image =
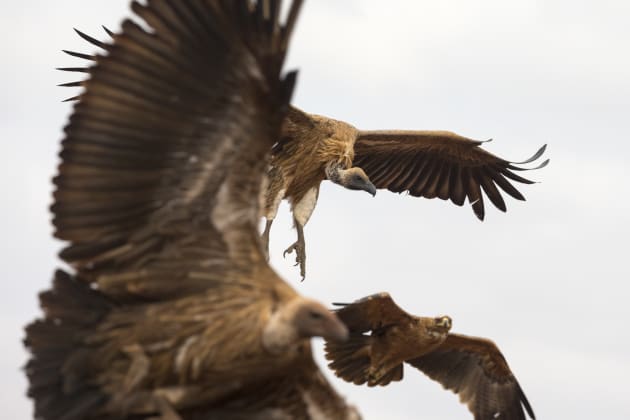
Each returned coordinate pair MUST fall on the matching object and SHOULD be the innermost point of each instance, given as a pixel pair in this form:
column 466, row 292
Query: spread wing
column 157, row 196
column 371, row 313
column 439, row 164
column 475, row 369
column 160, row 171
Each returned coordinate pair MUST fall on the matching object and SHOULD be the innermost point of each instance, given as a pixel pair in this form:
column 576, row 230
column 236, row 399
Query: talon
column 290, row 250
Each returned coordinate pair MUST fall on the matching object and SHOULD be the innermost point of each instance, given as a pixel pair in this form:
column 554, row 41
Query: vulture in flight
column 173, row 311
column 312, row 148
column 472, row 367
column 429, row 164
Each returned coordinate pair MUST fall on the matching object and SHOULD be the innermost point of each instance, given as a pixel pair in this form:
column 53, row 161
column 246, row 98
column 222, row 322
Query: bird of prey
column 429, row 164
column 173, row 310
column 472, row 367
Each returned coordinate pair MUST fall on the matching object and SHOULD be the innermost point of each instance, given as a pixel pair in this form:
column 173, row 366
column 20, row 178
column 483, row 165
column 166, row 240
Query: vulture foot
column 300, row 256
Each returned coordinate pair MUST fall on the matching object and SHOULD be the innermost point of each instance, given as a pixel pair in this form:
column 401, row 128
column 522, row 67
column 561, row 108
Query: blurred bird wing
column 371, row 313
column 298, row 394
column 475, row 369
column 162, row 160
column 438, row 164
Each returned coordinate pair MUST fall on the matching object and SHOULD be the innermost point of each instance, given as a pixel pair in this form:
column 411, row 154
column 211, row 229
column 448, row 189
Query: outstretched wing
column 475, row 369
column 438, row 164
column 165, row 150
column 371, row 313
column 157, row 195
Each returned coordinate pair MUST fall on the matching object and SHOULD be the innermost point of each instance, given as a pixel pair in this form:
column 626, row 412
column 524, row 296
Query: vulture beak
column 370, row 188
column 337, row 330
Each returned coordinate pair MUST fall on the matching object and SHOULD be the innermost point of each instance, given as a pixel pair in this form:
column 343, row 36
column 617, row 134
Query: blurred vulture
column 426, row 164
column 173, row 311
column 472, row 367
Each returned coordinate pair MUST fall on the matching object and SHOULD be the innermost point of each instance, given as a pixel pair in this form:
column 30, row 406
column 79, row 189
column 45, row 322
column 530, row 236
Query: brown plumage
column 173, row 310
column 472, row 367
column 426, row 164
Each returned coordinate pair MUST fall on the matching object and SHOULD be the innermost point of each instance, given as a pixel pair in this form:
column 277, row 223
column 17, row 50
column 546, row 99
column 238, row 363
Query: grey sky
column 547, row 280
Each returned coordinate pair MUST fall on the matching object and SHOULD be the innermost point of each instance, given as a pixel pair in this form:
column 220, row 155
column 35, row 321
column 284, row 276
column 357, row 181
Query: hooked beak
column 337, row 331
column 369, row 187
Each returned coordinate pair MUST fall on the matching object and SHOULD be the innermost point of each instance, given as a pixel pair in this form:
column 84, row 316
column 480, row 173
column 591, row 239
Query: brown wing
column 438, row 164
column 165, row 117
column 371, row 313
column 157, row 195
column 475, row 369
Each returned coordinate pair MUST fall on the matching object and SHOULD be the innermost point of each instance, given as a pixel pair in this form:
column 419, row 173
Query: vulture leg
column 302, row 211
column 300, row 249
column 273, row 190
column 265, row 237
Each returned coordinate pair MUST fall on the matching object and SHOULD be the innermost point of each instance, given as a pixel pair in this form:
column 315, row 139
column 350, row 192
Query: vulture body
column 472, row 367
column 428, row 164
column 173, row 310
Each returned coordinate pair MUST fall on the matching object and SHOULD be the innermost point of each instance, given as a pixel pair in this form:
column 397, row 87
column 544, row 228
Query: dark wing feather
column 438, row 164
column 161, row 140
column 475, row 369
column 371, row 313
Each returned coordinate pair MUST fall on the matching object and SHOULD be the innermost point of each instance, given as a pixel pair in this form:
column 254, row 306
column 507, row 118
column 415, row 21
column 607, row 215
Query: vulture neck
column 335, row 172
column 281, row 334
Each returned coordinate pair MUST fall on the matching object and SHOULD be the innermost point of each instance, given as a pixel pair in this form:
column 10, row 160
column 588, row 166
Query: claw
column 300, row 257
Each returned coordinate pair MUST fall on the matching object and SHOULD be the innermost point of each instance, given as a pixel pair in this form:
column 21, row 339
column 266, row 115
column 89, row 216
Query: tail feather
column 58, row 363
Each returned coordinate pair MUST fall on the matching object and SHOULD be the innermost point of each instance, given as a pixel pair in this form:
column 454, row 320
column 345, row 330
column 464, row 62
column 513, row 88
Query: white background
column 548, row 281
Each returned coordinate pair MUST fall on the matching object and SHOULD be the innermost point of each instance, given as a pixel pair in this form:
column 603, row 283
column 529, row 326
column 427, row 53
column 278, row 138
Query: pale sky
column 547, row 281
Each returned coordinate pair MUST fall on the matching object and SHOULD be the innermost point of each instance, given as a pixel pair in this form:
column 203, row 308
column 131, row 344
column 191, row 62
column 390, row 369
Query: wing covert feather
column 371, row 313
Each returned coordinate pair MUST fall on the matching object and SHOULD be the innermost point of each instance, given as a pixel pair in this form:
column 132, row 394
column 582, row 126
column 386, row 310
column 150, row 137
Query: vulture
column 172, row 310
column 472, row 367
column 314, row 148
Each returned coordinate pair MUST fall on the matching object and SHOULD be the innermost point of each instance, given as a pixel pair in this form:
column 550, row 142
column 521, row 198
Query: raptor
column 383, row 337
column 429, row 164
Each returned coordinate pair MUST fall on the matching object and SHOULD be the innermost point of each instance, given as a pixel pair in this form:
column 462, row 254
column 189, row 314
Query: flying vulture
column 429, row 164
column 173, row 310
column 472, row 367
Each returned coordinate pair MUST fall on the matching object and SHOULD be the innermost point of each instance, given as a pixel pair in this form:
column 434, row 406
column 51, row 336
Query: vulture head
column 299, row 319
column 356, row 179
column 353, row 178
column 440, row 326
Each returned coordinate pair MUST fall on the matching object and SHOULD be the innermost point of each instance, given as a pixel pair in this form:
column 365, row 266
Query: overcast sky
column 547, row 281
